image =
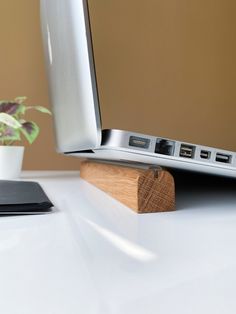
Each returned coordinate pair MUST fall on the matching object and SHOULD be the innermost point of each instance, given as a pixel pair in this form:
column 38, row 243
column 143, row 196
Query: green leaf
column 39, row 108
column 20, row 99
column 30, row 131
column 9, row 120
column 22, row 109
column 10, row 135
column 3, row 101
column 12, row 108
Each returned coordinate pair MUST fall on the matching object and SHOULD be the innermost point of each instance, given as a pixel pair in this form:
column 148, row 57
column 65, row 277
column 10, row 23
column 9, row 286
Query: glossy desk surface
column 94, row 255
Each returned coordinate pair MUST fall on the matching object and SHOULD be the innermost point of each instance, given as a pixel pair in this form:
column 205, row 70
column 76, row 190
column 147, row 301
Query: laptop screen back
column 71, row 74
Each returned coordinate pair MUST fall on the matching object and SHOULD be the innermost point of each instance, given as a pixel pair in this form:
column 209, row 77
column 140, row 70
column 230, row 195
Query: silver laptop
column 74, row 96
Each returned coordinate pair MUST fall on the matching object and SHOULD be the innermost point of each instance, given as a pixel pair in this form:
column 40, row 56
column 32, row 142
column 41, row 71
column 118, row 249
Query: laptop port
column 205, row 154
column 223, row 158
column 165, row 147
column 187, row 151
column 140, row 142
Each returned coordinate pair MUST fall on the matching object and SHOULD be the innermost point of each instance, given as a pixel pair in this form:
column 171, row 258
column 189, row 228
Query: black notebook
column 23, row 197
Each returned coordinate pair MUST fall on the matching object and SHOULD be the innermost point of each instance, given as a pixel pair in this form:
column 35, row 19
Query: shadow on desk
column 194, row 190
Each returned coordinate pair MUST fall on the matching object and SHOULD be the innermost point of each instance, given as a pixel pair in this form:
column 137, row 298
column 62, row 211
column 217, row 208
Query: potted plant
column 12, row 127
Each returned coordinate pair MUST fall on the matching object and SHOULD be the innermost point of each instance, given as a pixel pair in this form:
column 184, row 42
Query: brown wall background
column 164, row 68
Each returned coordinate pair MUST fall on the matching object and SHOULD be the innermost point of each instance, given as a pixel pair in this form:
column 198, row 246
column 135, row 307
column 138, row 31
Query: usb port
column 139, row 142
column 205, row 154
column 187, row 151
column 223, row 158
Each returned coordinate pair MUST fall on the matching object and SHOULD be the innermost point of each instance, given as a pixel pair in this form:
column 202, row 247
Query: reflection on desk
column 94, row 255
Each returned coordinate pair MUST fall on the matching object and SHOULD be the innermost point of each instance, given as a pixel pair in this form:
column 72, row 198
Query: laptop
column 75, row 103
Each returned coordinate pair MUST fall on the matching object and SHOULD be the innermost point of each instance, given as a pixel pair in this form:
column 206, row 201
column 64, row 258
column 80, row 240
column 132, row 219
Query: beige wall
column 164, row 67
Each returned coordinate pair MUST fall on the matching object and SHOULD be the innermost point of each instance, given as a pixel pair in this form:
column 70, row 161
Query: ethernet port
column 165, row 147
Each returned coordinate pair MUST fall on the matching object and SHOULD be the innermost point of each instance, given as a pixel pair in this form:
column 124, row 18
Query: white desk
column 93, row 255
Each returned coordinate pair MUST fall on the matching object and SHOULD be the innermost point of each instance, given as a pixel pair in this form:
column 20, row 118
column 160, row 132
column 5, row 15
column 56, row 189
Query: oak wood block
column 143, row 190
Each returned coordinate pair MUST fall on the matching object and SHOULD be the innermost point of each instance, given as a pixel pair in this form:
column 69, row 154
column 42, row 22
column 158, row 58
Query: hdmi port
column 223, row 158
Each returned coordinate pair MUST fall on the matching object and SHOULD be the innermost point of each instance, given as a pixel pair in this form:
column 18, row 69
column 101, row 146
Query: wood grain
column 144, row 191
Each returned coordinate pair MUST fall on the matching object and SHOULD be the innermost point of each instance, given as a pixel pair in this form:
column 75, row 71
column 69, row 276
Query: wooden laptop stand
column 143, row 190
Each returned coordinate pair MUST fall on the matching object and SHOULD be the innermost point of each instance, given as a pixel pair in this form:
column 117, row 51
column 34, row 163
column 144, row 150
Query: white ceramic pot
column 11, row 158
